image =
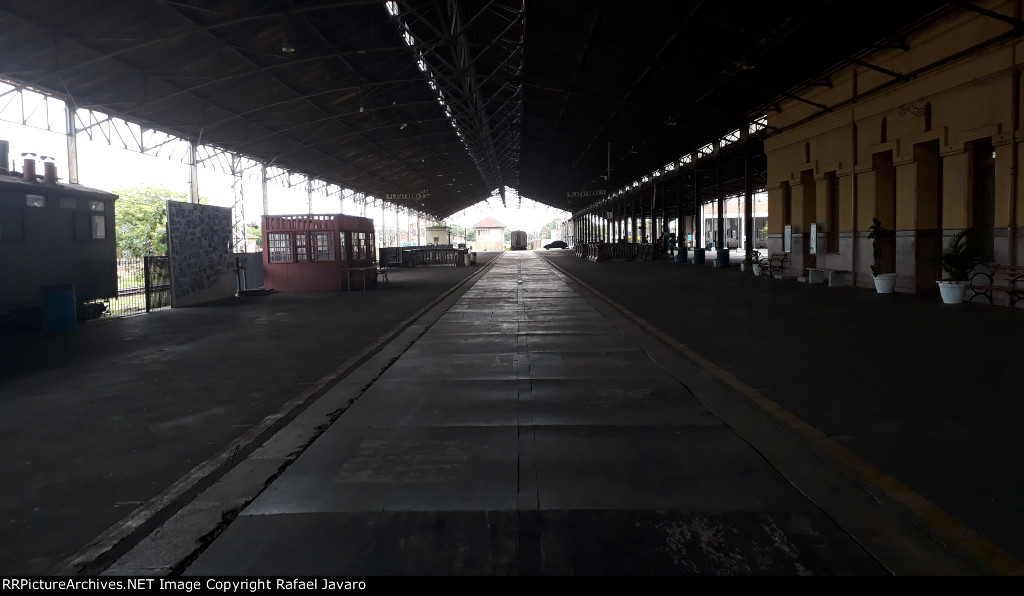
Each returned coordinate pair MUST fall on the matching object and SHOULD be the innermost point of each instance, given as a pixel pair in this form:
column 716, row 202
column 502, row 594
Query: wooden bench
column 834, row 277
column 774, row 264
column 1004, row 278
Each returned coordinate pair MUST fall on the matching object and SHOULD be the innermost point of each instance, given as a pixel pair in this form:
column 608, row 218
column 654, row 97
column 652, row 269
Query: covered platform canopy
column 437, row 105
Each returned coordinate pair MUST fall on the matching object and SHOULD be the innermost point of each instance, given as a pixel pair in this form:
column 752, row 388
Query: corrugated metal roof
column 545, row 97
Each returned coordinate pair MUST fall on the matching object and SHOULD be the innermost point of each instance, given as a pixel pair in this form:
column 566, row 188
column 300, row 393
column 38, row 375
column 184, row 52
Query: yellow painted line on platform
column 942, row 523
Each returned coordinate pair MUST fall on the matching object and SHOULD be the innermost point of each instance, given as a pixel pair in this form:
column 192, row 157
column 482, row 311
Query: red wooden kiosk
column 318, row 253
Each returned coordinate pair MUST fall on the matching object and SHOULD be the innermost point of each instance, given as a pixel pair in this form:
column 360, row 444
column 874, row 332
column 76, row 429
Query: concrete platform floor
column 535, row 429
column 920, row 398
column 556, row 417
column 110, row 428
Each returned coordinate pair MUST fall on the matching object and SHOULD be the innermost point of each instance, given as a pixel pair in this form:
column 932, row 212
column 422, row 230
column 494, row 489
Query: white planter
column 757, row 270
column 885, row 283
column 952, row 292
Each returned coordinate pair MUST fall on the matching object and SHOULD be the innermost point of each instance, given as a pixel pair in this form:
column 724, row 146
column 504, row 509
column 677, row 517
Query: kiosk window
column 279, row 247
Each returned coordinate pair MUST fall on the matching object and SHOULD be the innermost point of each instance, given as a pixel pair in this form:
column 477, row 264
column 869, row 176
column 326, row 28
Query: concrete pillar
column 720, row 197
column 697, row 223
column 748, row 232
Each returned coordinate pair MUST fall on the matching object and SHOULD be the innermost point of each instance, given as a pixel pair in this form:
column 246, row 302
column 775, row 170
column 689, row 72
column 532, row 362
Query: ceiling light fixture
column 286, row 47
column 360, row 109
column 402, row 127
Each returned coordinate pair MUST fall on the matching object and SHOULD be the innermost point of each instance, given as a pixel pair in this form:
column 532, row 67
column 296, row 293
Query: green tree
column 548, row 228
column 141, row 219
column 468, row 233
column 254, row 229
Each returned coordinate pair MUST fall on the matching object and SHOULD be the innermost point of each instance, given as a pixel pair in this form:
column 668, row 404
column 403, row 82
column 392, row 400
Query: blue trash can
column 59, row 310
column 698, row 256
column 723, row 258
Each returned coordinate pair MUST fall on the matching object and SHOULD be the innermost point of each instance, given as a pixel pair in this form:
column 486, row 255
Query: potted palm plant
column 752, row 261
column 885, row 283
column 958, row 262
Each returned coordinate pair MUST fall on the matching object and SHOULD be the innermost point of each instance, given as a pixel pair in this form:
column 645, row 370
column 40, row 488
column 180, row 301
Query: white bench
column 834, row 277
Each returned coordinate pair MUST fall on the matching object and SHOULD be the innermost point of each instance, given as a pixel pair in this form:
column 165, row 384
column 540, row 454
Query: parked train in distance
column 519, row 240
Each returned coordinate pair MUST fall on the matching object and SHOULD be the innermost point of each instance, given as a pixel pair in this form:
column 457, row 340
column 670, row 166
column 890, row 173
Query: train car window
column 99, row 227
column 12, row 224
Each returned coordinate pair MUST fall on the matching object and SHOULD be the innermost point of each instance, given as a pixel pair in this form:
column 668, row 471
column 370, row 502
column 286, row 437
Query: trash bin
column 467, row 260
column 59, row 310
column 681, row 256
column 698, row 256
column 723, row 258
column 472, row 258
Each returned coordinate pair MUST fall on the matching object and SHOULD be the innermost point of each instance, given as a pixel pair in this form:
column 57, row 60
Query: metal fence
column 143, row 285
column 157, row 282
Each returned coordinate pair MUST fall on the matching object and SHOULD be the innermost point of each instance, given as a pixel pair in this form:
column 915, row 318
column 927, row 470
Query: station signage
column 586, row 193
column 414, row 196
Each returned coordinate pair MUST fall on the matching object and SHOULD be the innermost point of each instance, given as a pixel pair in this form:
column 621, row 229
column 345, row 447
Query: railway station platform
column 538, row 414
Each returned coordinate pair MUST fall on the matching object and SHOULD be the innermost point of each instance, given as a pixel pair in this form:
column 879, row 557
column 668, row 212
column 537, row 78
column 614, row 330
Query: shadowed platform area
column 536, row 415
column 532, row 430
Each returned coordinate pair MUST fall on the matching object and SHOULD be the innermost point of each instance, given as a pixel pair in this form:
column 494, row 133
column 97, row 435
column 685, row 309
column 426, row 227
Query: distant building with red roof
column 490, row 235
